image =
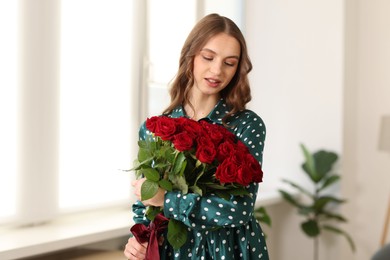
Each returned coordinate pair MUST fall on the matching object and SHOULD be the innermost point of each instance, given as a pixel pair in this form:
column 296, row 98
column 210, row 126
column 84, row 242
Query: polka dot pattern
column 217, row 228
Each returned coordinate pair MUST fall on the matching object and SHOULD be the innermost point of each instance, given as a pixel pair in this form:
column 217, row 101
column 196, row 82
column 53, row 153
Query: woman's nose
column 216, row 68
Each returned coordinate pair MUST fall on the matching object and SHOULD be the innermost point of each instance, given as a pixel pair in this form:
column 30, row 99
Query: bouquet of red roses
column 191, row 156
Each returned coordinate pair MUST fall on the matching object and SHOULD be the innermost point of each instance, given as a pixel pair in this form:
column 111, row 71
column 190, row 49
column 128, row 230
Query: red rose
column 183, row 141
column 205, row 151
column 151, row 123
column 242, row 147
column 224, row 150
column 214, row 131
column 244, row 175
column 165, row 128
column 255, row 168
column 192, row 129
column 237, row 157
column 226, row 172
column 227, row 135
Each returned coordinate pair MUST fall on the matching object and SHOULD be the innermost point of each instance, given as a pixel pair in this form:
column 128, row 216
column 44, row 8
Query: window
column 95, row 98
column 78, row 77
column 73, row 114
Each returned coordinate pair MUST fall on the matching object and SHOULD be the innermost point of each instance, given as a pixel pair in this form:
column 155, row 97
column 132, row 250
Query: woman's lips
column 213, row 82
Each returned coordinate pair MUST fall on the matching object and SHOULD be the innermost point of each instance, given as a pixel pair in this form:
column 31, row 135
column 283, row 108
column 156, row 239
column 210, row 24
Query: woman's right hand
column 135, row 250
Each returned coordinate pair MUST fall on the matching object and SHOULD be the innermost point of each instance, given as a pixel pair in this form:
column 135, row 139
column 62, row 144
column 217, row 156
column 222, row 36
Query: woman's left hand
column 157, row 200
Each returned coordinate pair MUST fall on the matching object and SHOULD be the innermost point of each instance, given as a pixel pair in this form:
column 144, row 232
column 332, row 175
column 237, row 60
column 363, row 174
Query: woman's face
column 216, row 64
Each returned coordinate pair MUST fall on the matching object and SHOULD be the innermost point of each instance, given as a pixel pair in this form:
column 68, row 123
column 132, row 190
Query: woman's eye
column 207, row 58
column 230, row 64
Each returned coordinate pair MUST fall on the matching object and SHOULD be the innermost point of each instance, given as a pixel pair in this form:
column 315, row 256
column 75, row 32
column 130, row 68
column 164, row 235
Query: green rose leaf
column 179, row 183
column 239, row 192
column 148, row 189
column 197, row 190
column 177, row 233
column 223, row 194
column 152, row 212
column 143, row 155
column 151, row 174
column 178, row 164
column 143, row 144
column 165, row 184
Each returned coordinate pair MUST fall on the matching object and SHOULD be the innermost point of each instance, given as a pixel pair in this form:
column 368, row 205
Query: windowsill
column 80, row 229
column 63, row 233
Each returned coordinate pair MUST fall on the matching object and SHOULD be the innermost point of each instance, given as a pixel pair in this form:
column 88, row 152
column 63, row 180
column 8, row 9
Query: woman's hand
column 135, row 250
column 157, row 200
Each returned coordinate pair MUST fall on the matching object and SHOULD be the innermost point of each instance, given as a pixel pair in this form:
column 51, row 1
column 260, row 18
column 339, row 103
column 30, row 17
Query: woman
column 211, row 85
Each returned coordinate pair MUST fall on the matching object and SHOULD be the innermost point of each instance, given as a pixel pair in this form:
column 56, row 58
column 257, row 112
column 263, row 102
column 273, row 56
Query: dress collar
column 215, row 116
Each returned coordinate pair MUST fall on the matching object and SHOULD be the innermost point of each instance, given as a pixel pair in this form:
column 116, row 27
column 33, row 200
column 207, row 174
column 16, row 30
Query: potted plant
column 319, row 212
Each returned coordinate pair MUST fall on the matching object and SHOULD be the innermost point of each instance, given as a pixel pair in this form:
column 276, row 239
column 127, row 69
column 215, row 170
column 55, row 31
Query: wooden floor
column 81, row 254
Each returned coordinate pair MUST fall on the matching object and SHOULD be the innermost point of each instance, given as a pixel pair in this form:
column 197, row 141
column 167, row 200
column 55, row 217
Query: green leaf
column 178, row 164
column 222, row 194
column 179, row 183
column 289, row 198
column 161, row 165
column 169, row 154
column 330, row 215
column 143, row 155
column 183, row 167
column 321, row 202
column 197, row 190
column 238, row 191
column 199, row 175
column 215, row 186
column 303, row 190
column 148, row 189
column 177, row 233
column 324, row 161
column 310, row 228
column 198, row 163
column 165, row 184
column 262, row 216
column 152, row 212
column 309, row 165
column 143, row 144
column 151, row 174
column 329, row 181
column 341, row 232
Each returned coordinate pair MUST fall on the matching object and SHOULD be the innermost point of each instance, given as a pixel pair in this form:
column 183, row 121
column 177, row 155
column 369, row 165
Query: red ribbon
column 151, row 234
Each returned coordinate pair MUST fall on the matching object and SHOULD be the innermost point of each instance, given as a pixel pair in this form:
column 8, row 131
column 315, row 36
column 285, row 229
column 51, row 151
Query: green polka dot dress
column 217, row 228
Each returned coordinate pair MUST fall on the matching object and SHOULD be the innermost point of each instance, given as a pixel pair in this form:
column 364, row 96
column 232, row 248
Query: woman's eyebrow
column 228, row 57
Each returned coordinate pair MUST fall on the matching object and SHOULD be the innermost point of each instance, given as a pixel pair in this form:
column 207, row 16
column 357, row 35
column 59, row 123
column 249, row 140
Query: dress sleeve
column 211, row 211
column 251, row 132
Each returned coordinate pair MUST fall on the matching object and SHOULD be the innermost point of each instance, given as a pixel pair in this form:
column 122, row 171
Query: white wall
column 367, row 96
column 297, row 82
column 321, row 77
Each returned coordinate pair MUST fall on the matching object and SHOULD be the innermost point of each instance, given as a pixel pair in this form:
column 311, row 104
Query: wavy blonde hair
column 237, row 93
